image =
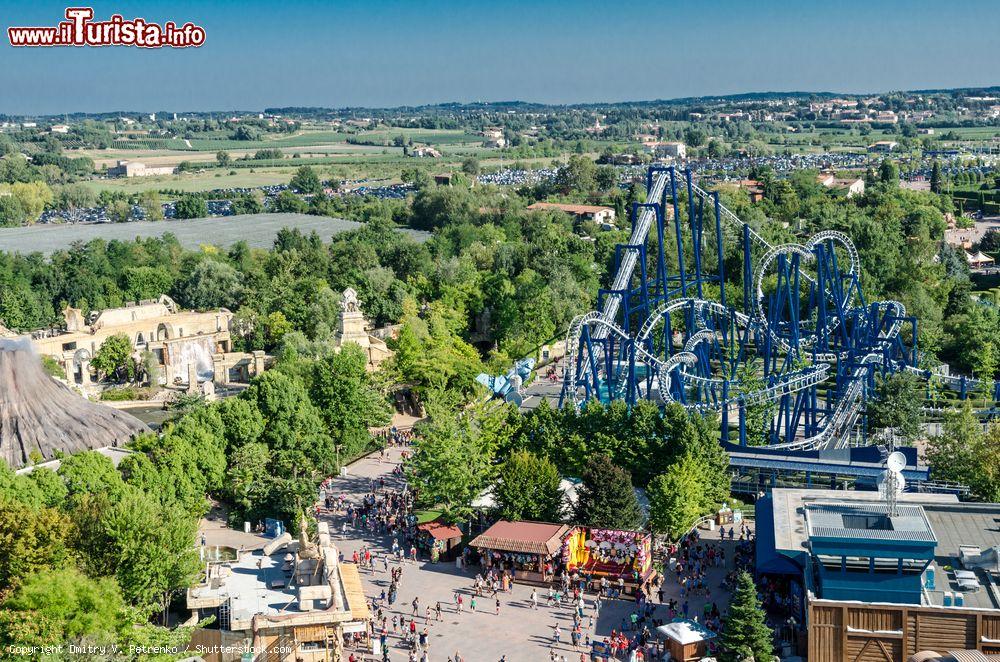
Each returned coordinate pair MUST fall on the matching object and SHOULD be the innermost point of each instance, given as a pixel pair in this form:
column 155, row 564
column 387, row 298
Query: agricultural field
column 258, row 230
column 195, row 181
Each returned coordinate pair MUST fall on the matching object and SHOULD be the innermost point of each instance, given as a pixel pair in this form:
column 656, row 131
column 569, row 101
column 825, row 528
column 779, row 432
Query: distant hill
column 453, row 107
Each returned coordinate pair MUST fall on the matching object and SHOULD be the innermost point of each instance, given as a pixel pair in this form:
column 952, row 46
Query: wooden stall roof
column 522, row 537
column 440, row 531
column 356, row 601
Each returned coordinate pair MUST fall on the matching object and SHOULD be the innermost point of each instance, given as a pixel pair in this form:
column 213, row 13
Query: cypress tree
column 744, row 629
column 605, row 498
column 936, row 177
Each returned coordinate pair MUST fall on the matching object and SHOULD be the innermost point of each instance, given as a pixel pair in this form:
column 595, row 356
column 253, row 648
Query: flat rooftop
column 868, row 521
column 791, row 534
column 252, row 590
column 954, row 525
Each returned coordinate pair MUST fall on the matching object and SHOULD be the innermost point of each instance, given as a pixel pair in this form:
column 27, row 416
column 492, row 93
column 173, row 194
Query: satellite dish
column 895, row 462
column 893, row 479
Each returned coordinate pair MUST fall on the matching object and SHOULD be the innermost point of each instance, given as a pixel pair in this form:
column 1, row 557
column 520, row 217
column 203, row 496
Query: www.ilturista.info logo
column 80, row 30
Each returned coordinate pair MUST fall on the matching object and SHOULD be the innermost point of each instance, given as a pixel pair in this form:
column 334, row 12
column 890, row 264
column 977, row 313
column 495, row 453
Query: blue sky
column 387, row 53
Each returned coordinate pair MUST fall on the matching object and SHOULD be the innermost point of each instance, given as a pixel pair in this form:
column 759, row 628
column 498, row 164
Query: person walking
column 416, row 605
column 437, row 610
column 556, row 633
column 498, row 605
column 534, row 598
column 472, row 603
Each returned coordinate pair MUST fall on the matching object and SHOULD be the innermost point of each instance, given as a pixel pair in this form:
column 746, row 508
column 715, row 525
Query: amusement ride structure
column 788, row 370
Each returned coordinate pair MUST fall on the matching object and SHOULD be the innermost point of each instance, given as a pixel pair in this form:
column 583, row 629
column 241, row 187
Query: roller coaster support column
column 695, row 220
column 743, row 423
column 720, row 251
column 661, row 286
column 747, row 272
column 725, row 412
column 677, row 231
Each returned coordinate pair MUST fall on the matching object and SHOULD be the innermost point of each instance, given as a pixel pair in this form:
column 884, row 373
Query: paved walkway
column 518, row 632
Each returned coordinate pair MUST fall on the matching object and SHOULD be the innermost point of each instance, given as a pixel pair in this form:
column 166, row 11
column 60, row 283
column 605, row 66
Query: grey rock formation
column 37, row 413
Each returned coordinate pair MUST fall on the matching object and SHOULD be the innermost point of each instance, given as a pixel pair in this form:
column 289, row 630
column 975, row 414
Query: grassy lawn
column 424, row 516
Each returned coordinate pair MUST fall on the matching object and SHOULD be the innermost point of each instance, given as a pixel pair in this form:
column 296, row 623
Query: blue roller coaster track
column 803, row 344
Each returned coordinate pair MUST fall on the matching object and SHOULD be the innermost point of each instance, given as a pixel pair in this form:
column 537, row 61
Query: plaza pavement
column 519, row 633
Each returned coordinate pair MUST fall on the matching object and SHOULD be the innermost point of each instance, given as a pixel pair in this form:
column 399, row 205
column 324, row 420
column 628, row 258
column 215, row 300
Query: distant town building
column 850, row 186
column 883, row 146
column 601, row 215
column 59, row 128
column 425, row 152
column 137, row 169
column 754, row 189
column 670, row 150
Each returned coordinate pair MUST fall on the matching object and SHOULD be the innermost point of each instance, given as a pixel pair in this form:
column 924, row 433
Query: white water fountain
column 193, row 351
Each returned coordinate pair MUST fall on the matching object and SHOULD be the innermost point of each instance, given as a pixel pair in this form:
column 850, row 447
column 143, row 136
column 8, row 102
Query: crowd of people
column 574, row 602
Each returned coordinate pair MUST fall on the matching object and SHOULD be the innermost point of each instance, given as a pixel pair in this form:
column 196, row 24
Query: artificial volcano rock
column 38, row 413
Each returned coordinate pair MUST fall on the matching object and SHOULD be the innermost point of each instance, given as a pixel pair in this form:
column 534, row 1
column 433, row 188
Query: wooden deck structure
column 858, row 632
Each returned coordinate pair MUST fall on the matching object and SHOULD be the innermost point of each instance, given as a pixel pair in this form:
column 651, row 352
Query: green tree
column 676, row 498
column 61, row 605
column 294, row 429
column 694, row 136
column 152, row 207
column 527, row 488
column 305, row 180
column 744, row 628
column 888, row 172
column 579, row 175
column 31, row 540
column 605, row 498
column 451, row 462
column 896, row 406
column 936, row 177
column 11, row 212
column 146, row 282
column 211, row 284
column 222, row 158
column 289, row 203
column 119, row 211
column 191, row 206
column 90, row 473
column 348, row 400
column 114, row 358
column 148, row 546
column 470, row 166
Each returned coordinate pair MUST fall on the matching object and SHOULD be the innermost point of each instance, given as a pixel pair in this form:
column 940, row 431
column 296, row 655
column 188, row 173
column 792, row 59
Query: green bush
column 119, row 393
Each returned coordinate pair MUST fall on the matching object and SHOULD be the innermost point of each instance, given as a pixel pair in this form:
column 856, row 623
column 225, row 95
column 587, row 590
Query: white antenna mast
column 892, row 481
